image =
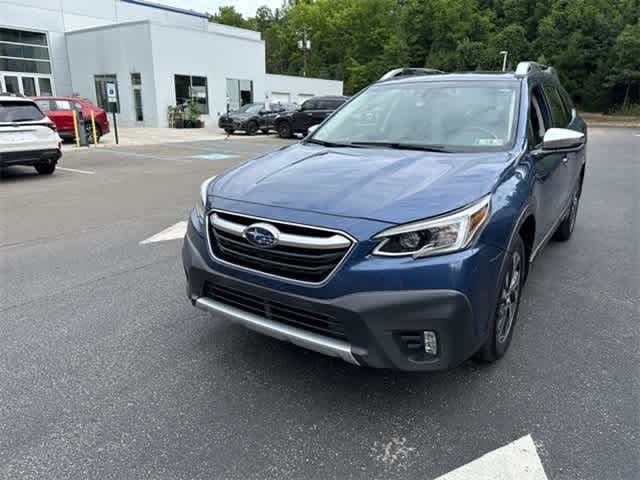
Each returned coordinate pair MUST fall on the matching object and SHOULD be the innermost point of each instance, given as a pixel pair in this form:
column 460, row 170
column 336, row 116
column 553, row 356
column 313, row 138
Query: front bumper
column 30, row 157
column 375, row 322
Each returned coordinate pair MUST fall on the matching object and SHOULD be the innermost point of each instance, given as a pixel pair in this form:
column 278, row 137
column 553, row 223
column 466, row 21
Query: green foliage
column 594, row 44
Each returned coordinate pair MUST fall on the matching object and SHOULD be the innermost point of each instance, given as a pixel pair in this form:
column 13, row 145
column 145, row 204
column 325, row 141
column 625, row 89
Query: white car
column 27, row 136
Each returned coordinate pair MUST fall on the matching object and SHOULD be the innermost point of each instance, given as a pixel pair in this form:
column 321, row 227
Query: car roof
column 453, row 77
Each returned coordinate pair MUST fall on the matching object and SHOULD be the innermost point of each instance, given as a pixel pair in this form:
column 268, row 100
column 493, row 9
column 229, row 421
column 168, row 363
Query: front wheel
column 507, row 304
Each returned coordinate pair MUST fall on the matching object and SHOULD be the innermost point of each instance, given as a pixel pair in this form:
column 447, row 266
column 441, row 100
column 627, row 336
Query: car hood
column 394, row 186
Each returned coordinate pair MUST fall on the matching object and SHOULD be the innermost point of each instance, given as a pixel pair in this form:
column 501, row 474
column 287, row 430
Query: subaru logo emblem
column 262, row 235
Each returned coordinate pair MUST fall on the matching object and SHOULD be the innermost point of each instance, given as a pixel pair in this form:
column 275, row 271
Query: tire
column 565, row 229
column 46, row 168
column 507, row 304
column 229, row 131
column 252, row 128
column 89, row 131
column 264, row 130
column 284, row 130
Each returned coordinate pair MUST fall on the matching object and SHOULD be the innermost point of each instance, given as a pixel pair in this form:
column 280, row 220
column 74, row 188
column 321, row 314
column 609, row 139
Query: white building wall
column 44, row 16
column 121, row 50
column 300, row 88
column 214, row 55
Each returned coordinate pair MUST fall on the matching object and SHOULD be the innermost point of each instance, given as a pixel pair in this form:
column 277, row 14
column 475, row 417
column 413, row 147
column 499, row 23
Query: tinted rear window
column 19, row 112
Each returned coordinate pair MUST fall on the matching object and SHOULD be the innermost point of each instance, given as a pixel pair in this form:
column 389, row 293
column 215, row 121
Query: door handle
column 310, row 114
column 565, row 160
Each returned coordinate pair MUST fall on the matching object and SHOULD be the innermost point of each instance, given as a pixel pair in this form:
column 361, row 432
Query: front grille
column 293, row 316
column 311, row 258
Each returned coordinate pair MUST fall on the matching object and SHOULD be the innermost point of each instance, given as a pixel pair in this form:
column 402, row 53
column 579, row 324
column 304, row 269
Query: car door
column 560, row 118
column 322, row 111
column 266, row 119
column 62, row 115
column 548, row 167
column 303, row 119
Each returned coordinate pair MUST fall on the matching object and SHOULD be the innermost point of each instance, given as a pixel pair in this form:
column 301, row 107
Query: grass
column 629, row 109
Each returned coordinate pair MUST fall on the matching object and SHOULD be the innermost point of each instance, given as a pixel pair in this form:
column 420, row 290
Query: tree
column 229, row 16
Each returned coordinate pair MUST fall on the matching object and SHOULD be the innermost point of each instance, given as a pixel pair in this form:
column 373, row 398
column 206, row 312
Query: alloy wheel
column 509, row 298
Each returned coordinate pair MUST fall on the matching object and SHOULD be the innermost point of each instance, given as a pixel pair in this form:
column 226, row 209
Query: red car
column 59, row 110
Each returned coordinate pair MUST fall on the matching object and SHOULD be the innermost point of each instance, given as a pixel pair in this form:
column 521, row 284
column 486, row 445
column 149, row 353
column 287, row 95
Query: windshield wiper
column 331, row 144
column 404, row 146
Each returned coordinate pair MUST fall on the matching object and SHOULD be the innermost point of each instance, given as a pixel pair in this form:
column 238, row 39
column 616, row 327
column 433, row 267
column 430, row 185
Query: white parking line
column 518, row 460
column 75, row 170
column 174, row 232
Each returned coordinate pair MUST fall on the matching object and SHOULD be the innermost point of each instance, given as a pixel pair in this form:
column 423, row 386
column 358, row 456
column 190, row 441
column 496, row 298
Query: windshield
column 251, row 108
column 465, row 116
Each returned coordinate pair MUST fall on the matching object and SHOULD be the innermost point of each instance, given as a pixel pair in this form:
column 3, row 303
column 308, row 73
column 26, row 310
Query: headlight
column 438, row 235
column 202, row 199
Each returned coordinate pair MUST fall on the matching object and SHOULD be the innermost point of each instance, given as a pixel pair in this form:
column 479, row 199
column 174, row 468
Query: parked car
column 251, row 118
column 401, row 231
column 312, row 112
column 27, row 136
column 59, row 109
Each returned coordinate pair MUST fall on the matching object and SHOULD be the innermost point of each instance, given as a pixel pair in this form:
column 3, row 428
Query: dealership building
column 156, row 55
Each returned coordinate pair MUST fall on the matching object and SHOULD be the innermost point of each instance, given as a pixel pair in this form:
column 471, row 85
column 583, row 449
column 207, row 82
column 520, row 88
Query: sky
column 246, row 7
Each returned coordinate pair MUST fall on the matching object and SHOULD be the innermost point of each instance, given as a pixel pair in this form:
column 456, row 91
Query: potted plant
column 193, row 113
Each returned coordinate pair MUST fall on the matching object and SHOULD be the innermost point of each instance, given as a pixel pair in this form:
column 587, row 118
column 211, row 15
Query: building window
column 101, row 92
column 188, row 86
column 136, row 85
column 23, row 51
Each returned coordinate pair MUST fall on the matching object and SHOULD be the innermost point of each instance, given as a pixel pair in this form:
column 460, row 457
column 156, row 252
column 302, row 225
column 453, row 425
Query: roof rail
column 408, row 72
column 525, row 68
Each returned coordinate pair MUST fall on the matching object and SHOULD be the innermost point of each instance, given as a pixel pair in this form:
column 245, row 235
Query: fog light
column 430, row 342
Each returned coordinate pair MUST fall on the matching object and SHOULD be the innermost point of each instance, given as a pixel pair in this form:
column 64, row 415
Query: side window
column 335, row 104
column 537, row 126
column 309, row 105
column 44, row 105
column 558, row 111
column 568, row 103
column 62, row 105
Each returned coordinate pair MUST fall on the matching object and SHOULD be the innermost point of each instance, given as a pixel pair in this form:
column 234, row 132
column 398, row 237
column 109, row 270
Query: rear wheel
column 46, row 168
column 507, row 304
column 284, row 130
column 565, row 229
column 252, row 128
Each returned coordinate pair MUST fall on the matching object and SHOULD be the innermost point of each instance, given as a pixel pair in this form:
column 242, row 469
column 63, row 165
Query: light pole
column 504, row 54
column 305, row 46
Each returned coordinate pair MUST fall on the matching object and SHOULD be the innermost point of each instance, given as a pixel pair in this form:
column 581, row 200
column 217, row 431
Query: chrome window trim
column 354, row 242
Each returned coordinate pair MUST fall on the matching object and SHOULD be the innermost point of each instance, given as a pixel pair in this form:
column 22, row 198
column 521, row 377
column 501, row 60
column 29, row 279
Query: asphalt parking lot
column 107, row 371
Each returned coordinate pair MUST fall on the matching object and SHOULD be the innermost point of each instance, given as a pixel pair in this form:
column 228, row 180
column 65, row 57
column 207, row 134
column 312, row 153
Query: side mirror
column 562, row 138
column 312, row 129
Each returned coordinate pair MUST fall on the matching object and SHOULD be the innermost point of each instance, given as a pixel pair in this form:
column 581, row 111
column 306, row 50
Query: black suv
column 311, row 112
column 252, row 117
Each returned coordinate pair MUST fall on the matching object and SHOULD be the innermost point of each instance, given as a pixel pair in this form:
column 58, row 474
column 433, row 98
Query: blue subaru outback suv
column 400, row 232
